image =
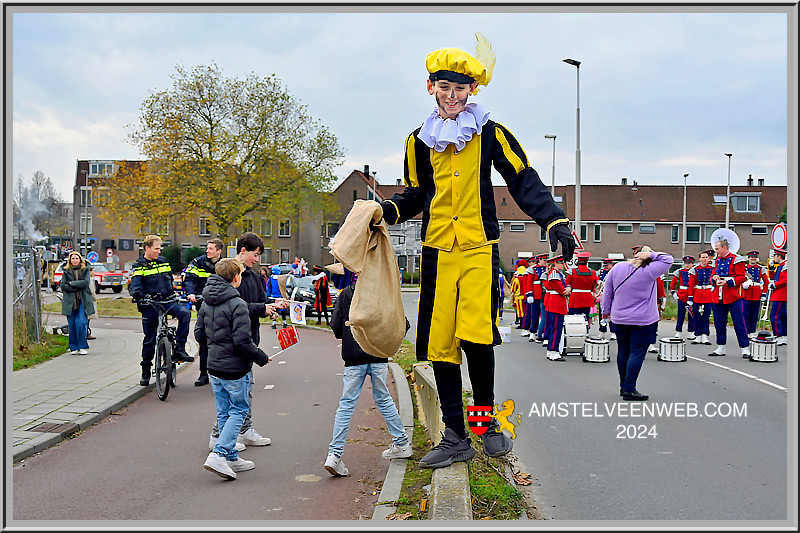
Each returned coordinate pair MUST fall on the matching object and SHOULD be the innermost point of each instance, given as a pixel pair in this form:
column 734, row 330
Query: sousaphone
column 728, row 235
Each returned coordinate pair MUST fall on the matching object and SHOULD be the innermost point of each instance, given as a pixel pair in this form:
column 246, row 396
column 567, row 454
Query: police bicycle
column 165, row 369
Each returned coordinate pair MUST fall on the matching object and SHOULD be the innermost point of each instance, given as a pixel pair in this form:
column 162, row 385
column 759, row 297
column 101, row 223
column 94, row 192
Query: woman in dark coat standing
column 77, row 303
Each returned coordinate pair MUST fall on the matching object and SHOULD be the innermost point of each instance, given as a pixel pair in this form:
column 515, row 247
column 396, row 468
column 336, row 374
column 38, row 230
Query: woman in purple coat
column 630, row 299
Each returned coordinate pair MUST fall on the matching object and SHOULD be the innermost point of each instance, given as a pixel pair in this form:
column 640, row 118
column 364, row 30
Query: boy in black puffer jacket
column 223, row 322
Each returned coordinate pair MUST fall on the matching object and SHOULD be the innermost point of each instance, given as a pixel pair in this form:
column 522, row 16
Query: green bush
column 191, row 253
column 172, row 253
column 411, row 277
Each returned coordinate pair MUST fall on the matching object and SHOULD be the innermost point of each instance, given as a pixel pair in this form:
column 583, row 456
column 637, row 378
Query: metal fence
column 27, row 310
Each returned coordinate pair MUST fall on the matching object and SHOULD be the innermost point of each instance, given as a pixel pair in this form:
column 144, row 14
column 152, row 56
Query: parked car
column 302, row 290
column 106, row 279
column 286, row 268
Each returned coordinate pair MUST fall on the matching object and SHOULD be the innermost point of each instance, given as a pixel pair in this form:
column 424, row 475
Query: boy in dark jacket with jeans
column 223, row 323
column 357, row 365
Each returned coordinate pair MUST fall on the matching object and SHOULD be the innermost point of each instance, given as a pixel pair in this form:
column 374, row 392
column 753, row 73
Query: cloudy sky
column 661, row 93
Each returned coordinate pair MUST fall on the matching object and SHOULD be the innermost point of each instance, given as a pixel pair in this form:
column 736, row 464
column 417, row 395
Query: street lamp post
column 728, row 195
column 683, row 248
column 553, row 183
column 577, row 65
column 85, row 198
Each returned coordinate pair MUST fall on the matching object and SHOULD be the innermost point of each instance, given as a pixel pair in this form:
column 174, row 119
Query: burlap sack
column 376, row 319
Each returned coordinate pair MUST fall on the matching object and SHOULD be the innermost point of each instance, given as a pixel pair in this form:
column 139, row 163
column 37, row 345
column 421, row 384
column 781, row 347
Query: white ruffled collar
column 437, row 132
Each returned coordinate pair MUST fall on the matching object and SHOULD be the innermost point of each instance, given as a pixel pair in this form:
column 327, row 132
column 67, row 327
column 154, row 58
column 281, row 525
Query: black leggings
column 480, row 365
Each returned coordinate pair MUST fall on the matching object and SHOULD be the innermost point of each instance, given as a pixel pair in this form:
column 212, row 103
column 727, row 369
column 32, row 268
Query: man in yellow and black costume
column 448, row 162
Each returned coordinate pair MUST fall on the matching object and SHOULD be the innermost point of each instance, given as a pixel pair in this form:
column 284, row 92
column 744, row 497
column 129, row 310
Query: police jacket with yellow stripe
column 197, row 273
column 151, row 278
column 454, row 189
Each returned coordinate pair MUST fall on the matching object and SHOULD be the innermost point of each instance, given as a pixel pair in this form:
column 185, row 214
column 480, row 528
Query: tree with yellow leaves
column 224, row 147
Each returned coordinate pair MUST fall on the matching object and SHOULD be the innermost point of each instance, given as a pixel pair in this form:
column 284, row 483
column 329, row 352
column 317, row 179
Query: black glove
column 561, row 233
column 374, row 225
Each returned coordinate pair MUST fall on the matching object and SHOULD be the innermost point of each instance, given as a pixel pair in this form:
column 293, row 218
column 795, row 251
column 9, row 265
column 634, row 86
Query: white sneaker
column 398, row 452
column 213, row 442
column 781, row 341
column 217, row 464
column 524, row 333
column 335, row 466
column 83, row 351
column 677, row 334
column 691, row 336
column 720, row 350
column 746, row 351
column 554, row 355
column 252, row 438
column 652, row 348
column 240, row 465
column 75, row 352
column 705, row 339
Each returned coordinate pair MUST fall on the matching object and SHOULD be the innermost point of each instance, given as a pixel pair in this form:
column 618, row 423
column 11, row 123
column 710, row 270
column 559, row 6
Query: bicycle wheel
column 173, row 376
column 163, row 368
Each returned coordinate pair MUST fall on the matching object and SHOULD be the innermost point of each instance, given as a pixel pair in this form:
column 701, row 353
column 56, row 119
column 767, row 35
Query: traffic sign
column 779, row 235
column 109, row 252
column 578, row 243
column 92, row 256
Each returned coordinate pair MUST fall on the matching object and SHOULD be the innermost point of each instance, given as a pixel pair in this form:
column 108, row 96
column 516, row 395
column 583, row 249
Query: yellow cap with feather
column 458, row 66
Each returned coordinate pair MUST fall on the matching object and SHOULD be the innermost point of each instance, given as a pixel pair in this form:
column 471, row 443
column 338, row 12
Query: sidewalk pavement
column 71, row 392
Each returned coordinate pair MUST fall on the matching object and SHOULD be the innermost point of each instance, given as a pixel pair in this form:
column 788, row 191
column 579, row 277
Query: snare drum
column 574, row 334
column 672, row 349
column 596, row 351
column 764, row 350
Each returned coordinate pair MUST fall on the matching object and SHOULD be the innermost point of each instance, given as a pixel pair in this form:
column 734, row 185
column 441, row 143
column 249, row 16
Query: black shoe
column 495, row 442
column 202, row 380
column 285, row 325
column 274, row 325
column 181, row 355
column 620, row 391
column 452, row 448
column 634, row 396
column 145, row 381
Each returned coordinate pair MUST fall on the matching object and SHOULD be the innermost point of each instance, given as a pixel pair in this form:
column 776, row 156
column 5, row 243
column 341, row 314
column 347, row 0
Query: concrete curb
column 390, row 491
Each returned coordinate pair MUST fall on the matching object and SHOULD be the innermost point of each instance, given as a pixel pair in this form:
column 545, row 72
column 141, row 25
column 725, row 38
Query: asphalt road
column 145, row 462
column 593, row 458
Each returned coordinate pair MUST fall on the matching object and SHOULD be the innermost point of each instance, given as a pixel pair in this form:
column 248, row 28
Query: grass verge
column 26, row 356
column 492, row 497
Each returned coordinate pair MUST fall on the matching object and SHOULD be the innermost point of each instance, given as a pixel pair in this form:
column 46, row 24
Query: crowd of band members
column 543, row 290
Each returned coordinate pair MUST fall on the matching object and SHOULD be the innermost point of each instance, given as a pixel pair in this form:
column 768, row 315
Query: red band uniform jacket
column 760, row 284
column 680, row 283
column 556, row 300
column 731, row 269
column 779, row 292
column 583, row 281
column 701, row 290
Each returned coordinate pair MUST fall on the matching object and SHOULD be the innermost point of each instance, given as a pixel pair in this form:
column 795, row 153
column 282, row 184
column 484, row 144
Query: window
column 516, row 226
column 398, row 239
column 647, row 228
column 86, row 224
column 331, row 229
column 247, row 225
column 598, row 232
column 265, row 229
column 501, row 226
column 162, row 227
column 720, row 199
column 86, row 197
column 266, row 256
column 284, row 255
column 369, row 194
column 542, row 234
column 418, row 232
column 355, row 195
column 708, row 230
column 584, row 232
column 204, row 227
column 676, row 234
column 758, row 230
column 285, row 229
column 746, row 203
column 503, row 202
column 558, row 199
column 624, row 228
column 100, row 169
column 693, row 234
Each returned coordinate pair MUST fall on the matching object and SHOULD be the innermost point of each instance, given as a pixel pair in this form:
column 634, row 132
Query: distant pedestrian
column 276, row 295
column 357, row 366
column 630, row 298
column 77, row 303
column 223, row 324
column 322, row 295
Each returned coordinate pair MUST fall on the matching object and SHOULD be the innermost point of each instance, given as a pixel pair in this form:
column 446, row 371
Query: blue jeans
column 248, row 419
column 78, row 325
column 231, row 396
column 632, row 343
column 353, row 379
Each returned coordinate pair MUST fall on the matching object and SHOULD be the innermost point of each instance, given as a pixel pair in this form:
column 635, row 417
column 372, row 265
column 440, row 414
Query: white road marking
column 281, row 362
column 745, row 374
column 268, row 387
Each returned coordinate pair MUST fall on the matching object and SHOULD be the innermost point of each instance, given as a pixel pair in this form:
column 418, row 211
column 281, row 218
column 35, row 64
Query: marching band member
column 728, row 276
column 526, row 288
column 601, row 276
column 754, row 291
column 701, row 297
column 537, row 324
column 555, row 306
column 680, row 292
column 661, row 303
column 516, row 290
column 777, row 314
column 583, row 281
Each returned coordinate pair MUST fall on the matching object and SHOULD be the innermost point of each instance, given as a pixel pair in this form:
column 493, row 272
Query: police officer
column 728, row 277
column 194, row 281
column 680, row 292
column 152, row 276
column 754, row 291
